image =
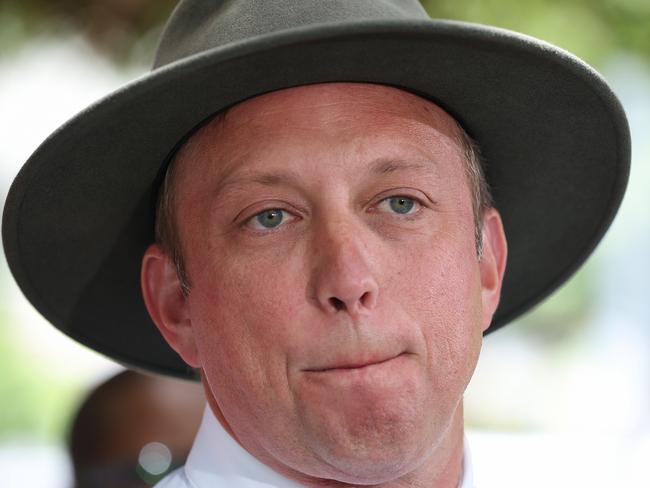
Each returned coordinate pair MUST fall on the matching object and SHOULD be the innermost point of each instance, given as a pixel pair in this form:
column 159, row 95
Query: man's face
column 336, row 295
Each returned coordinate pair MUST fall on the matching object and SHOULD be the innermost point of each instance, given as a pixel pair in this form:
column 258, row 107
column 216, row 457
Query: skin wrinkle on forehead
column 432, row 116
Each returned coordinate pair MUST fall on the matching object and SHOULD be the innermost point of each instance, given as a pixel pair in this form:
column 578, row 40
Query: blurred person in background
column 326, row 251
column 132, row 429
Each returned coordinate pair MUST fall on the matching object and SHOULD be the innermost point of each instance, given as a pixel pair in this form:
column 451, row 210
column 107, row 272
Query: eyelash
column 418, row 205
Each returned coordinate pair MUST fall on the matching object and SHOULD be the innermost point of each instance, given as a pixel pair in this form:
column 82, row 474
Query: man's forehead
column 349, row 107
column 339, row 99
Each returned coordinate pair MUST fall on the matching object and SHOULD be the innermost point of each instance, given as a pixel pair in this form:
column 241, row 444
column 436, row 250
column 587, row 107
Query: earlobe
column 492, row 264
column 166, row 303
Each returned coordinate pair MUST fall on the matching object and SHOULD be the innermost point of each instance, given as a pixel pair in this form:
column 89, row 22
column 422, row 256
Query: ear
column 166, row 303
column 492, row 264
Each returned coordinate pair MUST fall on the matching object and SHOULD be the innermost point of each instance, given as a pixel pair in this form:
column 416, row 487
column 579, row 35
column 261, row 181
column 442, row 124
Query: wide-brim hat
column 80, row 213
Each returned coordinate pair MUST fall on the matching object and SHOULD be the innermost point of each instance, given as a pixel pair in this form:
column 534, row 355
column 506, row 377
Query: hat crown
column 200, row 25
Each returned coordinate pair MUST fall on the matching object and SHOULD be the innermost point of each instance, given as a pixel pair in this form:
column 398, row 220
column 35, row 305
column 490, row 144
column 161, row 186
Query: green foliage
column 591, row 29
column 565, row 314
column 127, row 30
column 35, row 403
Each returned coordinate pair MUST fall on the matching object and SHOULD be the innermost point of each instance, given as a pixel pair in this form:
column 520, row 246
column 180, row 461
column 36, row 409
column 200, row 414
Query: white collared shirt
column 217, row 460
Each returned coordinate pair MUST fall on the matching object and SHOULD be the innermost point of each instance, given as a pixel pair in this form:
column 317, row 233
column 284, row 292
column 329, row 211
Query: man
column 326, row 253
column 324, row 282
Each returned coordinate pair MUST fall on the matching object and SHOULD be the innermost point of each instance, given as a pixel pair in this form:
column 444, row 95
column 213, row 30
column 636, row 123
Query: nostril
column 364, row 299
column 337, row 304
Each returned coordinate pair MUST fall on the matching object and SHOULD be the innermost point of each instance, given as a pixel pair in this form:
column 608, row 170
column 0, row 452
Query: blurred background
column 561, row 398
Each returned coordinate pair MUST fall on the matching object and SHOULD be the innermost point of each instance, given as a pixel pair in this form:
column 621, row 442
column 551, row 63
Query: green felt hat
column 81, row 211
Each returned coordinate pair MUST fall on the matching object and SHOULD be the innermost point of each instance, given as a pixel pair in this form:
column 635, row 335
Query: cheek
column 446, row 301
column 242, row 319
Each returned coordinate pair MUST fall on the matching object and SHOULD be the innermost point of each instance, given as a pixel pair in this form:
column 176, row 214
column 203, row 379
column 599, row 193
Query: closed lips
column 352, row 364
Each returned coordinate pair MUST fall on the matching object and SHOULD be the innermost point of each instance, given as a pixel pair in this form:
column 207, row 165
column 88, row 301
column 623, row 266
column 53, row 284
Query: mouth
column 352, row 364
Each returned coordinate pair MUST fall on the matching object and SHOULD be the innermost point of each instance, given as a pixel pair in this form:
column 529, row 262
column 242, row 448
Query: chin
column 385, row 464
column 375, row 447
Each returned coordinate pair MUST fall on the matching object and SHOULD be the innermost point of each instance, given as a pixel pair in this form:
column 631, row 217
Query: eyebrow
column 378, row 167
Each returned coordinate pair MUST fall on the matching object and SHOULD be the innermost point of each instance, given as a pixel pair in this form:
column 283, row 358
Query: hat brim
column 81, row 211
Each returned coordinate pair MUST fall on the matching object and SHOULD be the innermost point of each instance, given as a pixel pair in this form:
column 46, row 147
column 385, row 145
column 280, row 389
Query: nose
column 342, row 279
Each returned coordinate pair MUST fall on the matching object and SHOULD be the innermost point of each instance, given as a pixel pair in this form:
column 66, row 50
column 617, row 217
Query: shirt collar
column 216, row 459
column 467, row 476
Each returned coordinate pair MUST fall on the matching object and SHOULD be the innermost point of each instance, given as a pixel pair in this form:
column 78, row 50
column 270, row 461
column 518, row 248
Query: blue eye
column 270, row 218
column 401, row 204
